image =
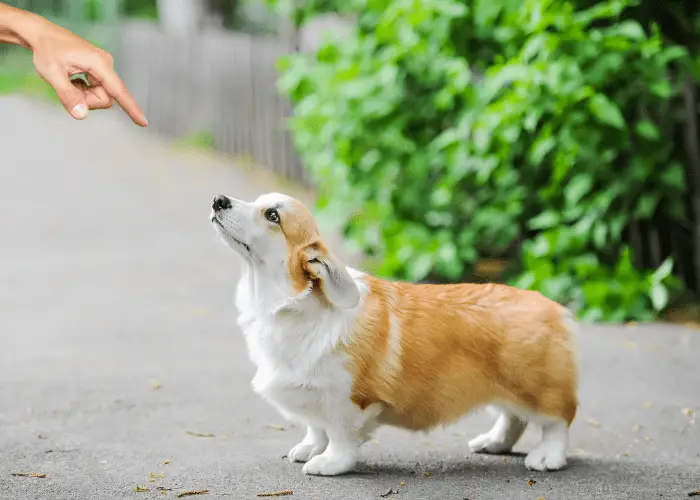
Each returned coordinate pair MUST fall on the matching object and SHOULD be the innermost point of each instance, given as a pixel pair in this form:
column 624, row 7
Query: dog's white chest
column 297, row 372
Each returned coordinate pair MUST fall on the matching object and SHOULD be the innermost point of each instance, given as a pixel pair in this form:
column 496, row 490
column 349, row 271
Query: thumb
column 72, row 98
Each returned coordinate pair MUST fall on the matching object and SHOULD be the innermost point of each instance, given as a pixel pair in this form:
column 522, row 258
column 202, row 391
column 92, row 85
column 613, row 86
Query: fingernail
column 80, row 111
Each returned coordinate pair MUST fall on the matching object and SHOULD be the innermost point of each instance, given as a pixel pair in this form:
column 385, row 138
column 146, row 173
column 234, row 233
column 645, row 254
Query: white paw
column 303, row 452
column 544, row 458
column 486, row 443
column 330, row 465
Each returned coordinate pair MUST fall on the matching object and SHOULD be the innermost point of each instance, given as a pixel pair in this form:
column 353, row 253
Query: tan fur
column 431, row 353
column 462, row 347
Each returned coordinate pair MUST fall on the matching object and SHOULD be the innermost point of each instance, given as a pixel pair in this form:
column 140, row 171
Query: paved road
column 111, row 279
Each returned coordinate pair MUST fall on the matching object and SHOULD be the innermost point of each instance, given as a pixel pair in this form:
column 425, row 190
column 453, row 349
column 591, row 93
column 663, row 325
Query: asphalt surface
column 118, row 343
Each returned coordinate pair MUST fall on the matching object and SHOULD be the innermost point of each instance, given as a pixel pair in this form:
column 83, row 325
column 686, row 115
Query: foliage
column 200, row 140
column 442, row 131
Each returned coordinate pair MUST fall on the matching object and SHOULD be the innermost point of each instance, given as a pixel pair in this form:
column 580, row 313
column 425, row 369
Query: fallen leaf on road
column 162, row 488
column 648, row 439
column 155, row 384
column 530, row 482
column 275, row 427
column 166, row 462
column 141, row 489
column 687, row 412
column 695, row 493
column 192, row 493
column 402, row 483
column 152, row 478
column 282, row 493
column 200, row 434
column 636, row 428
column 28, row 474
column 540, row 498
column 592, row 422
column 389, row 492
column 427, row 474
column 578, row 452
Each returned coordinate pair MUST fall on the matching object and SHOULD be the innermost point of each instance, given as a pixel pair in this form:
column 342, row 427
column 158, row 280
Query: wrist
column 20, row 27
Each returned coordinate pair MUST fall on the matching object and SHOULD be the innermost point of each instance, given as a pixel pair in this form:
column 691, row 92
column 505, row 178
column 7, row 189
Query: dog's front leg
column 314, row 443
column 341, row 454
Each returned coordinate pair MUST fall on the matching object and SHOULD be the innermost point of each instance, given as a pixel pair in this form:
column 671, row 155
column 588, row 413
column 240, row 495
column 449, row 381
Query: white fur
column 294, row 342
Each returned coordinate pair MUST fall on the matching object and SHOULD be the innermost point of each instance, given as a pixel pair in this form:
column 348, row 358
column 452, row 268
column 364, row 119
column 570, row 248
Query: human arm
column 60, row 54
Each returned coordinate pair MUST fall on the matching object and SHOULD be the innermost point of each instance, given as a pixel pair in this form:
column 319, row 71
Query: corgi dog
column 341, row 352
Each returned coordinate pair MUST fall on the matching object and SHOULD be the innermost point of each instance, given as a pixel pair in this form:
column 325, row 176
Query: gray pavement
column 111, row 279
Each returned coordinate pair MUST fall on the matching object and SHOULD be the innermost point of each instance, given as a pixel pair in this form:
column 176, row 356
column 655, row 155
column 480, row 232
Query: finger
column 96, row 97
column 72, row 98
column 114, row 86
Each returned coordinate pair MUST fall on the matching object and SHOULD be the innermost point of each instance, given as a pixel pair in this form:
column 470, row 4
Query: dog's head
column 278, row 236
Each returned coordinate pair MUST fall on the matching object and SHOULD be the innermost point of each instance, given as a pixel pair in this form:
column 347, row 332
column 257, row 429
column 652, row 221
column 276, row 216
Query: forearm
column 19, row 27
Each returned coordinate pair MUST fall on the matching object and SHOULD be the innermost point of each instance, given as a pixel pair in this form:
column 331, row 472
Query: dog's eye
column 272, row 215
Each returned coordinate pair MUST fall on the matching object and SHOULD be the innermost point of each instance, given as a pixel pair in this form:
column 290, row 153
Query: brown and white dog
column 342, row 352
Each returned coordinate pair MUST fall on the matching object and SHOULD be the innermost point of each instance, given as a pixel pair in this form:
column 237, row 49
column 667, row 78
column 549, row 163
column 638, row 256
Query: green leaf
column 647, row 129
column 659, row 296
column 630, row 29
column 606, row 111
column 420, row 267
column 663, row 271
column 577, row 188
column 545, row 220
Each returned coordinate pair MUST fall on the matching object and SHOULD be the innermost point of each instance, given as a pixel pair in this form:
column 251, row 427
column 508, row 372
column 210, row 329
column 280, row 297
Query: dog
column 341, row 352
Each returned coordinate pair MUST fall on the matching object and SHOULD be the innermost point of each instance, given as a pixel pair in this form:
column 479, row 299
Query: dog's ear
column 333, row 279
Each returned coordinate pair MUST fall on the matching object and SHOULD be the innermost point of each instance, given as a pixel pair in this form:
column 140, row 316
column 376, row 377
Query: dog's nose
column 221, row 202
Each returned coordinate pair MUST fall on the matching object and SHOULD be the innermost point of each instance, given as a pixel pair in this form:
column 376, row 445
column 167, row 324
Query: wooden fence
column 217, row 81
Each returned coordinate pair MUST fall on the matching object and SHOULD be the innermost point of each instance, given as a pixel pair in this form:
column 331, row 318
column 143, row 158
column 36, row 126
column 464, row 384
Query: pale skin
column 59, row 55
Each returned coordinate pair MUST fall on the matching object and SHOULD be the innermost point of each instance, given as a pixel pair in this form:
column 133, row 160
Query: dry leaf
column 200, row 434
column 162, row 488
column 155, row 384
column 427, row 473
column 141, row 489
column 687, row 412
column 275, row 427
column 402, row 483
column 530, row 482
column 648, row 439
column 540, row 498
column 592, row 422
column 389, row 492
column 166, row 462
column 28, row 474
column 282, row 493
column 636, row 428
column 192, row 493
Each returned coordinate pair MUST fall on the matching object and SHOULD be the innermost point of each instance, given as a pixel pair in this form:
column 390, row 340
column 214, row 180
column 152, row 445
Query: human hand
column 60, row 54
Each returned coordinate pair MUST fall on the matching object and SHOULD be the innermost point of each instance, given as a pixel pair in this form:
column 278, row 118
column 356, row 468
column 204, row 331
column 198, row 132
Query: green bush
column 442, row 131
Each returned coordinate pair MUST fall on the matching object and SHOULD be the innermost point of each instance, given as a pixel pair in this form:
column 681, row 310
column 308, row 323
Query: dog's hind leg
column 502, row 436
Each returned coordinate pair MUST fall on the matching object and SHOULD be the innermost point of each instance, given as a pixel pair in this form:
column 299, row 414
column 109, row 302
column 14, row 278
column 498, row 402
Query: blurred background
column 552, row 145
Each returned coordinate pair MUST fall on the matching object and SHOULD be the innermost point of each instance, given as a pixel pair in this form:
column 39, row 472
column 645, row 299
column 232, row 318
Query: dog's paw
column 303, row 452
column 330, row 465
column 544, row 458
column 486, row 443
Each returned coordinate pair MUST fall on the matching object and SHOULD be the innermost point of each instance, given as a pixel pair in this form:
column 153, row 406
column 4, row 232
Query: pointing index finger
column 115, row 87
